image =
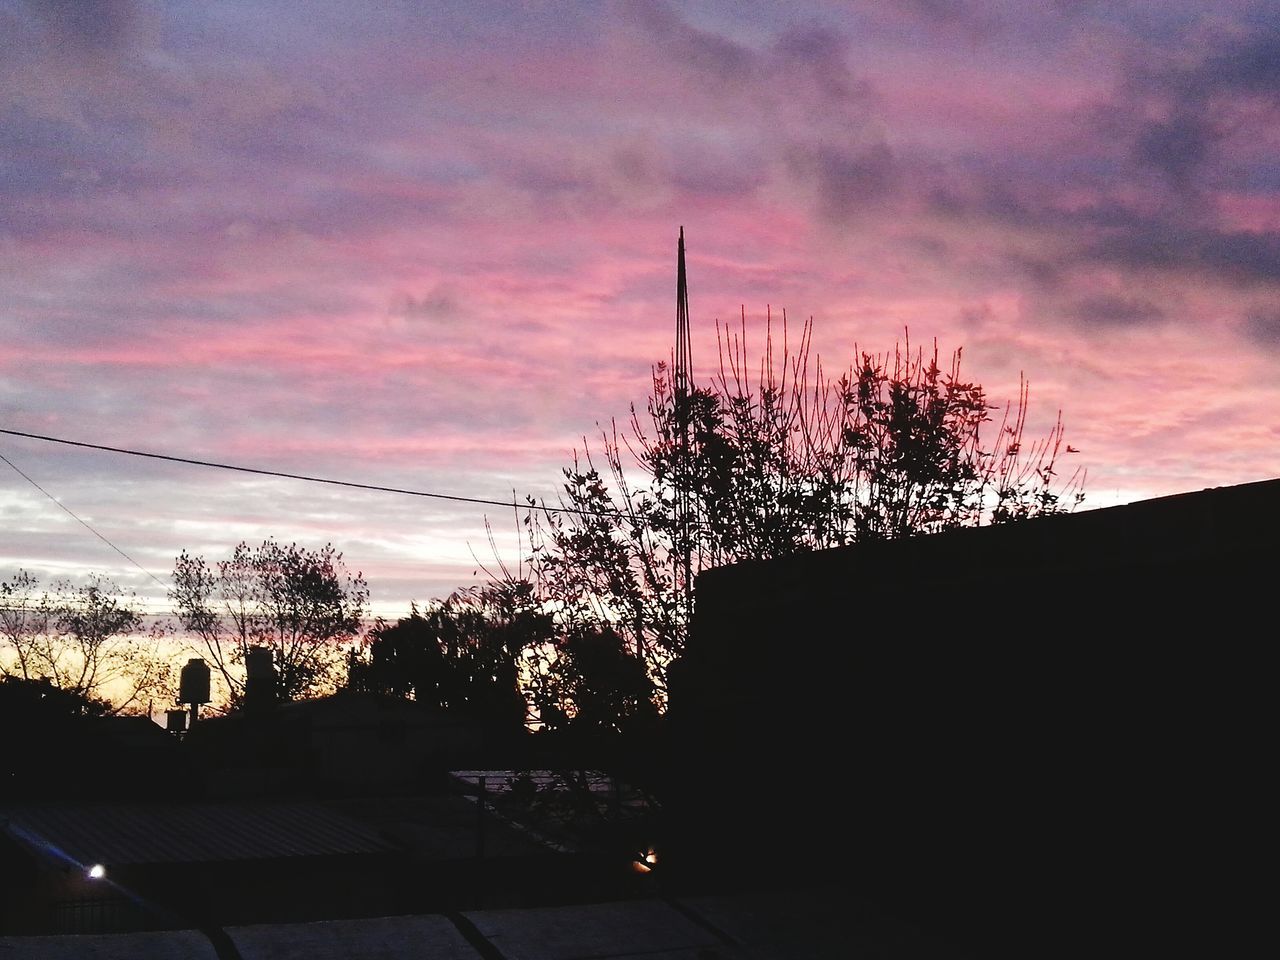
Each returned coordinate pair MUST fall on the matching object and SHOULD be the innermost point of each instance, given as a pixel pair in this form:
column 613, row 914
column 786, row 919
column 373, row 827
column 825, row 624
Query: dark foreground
column 821, row 922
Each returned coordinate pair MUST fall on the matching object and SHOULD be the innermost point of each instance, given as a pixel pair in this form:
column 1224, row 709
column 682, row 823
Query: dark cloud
column 1244, row 64
column 1238, row 256
column 793, row 97
column 976, row 316
column 1179, row 147
column 982, row 20
column 1175, row 237
column 544, row 177
column 87, row 26
column 934, row 248
column 705, row 172
column 1113, row 236
column 44, row 155
column 823, row 53
column 699, row 50
column 1263, row 327
column 1181, row 107
column 996, row 196
column 1115, row 311
column 930, row 14
column 439, row 305
column 802, row 64
column 1046, row 273
column 944, row 11
column 849, row 182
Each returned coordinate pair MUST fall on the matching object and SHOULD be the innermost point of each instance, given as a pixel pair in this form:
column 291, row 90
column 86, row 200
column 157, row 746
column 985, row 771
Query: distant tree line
column 746, row 467
column 90, row 640
column 772, row 458
column 767, row 459
column 80, row 639
column 302, row 604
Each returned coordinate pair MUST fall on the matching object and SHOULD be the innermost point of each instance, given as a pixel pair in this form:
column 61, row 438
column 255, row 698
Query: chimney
column 260, row 680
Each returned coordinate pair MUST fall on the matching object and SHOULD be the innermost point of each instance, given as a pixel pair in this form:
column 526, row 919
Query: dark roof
column 186, row 833
column 1195, row 526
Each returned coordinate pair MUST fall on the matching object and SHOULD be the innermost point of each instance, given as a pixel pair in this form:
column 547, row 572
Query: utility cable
column 84, row 523
column 310, row 479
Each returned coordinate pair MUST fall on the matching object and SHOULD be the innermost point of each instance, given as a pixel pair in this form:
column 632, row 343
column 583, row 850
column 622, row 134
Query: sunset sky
column 432, row 245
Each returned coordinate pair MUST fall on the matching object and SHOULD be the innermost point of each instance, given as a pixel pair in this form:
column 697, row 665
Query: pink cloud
column 378, row 252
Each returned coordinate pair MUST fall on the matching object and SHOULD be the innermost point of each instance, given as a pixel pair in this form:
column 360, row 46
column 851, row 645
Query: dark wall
column 1049, row 726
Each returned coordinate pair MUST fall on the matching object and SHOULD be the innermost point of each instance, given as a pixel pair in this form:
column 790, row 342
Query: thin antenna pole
column 681, row 377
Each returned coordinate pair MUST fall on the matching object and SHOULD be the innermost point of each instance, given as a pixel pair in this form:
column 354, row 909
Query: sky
column 431, row 245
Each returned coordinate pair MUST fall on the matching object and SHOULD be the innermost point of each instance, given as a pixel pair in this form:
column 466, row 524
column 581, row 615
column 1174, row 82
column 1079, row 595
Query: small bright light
column 97, row 872
column 646, row 861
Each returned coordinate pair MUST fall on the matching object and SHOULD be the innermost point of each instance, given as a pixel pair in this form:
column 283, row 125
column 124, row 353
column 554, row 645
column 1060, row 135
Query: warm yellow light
column 645, row 862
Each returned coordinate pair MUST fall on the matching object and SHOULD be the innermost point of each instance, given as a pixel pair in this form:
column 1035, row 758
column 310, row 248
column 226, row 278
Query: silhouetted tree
column 88, row 640
column 303, row 604
column 461, row 655
column 24, row 702
column 26, row 615
column 589, row 681
column 784, row 462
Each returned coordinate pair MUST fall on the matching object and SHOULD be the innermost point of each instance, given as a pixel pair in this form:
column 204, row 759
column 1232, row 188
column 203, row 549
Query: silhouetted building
column 1044, row 730
column 56, row 747
column 345, row 742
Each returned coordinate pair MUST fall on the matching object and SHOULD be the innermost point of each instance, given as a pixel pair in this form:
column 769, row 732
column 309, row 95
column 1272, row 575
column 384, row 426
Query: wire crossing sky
column 72, row 514
column 433, row 243
column 515, row 504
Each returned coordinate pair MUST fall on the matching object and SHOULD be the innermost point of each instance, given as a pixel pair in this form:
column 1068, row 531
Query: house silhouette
column 1047, row 732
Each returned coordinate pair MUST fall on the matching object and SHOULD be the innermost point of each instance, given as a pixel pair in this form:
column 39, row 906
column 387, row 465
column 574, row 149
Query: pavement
column 813, row 924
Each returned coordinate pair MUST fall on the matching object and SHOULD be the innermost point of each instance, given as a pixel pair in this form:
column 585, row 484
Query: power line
column 84, row 523
column 309, row 479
